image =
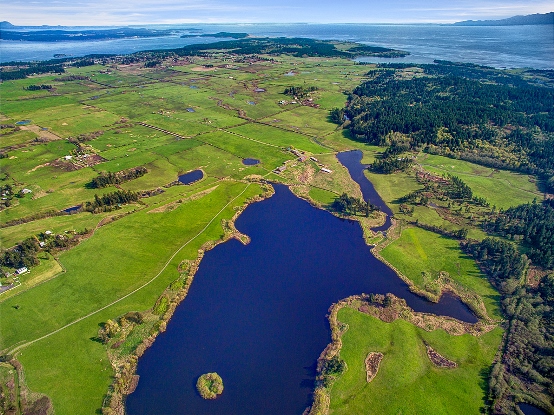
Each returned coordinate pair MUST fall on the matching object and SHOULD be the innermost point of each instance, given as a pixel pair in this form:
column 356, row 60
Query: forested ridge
column 466, row 111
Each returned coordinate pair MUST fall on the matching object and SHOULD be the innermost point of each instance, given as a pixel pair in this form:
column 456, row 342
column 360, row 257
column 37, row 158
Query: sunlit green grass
column 407, row 382
column 418, row 251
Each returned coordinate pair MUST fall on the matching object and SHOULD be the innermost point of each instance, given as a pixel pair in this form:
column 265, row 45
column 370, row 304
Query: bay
column 496, row 46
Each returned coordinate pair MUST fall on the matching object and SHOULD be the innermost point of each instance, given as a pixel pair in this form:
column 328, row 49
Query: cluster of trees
column 31, row 69
column 351, row 206
column 34, row 87
column 501, row 259
column 109, row 201
column 390, row 164
column 152, row 64
column 108, row 179
column 299, row 91
column 468, row 104
column 457, row 189
column 24, row 254
column 533, row 224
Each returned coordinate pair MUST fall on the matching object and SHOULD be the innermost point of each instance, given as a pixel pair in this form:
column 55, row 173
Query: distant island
column 55, row 35
column 219, row 34
column 531, row 19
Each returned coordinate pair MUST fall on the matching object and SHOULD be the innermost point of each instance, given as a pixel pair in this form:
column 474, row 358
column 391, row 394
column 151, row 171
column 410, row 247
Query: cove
column 352, row 161
column 256, row 314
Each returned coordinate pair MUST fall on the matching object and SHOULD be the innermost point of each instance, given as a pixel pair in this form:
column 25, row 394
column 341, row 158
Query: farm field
column 90, row 177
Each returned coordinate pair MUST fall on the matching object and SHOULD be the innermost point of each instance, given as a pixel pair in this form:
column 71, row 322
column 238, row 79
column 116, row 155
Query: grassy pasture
column 500, row 187
column 306, row 120
column 270, row 156
column 146, row 241
column 418, row 251
column 407, row 382
column 278, row 137
column 16, row 138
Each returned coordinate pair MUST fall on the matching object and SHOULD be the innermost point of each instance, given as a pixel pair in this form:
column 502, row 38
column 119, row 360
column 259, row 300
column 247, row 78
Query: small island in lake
column 209, row 385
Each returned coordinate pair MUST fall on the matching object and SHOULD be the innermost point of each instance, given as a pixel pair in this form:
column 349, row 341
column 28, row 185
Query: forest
column 464, row 111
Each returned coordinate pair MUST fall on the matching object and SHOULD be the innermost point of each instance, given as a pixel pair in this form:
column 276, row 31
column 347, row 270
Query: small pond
column 530, row 409
column 191, row 177
column 72, row 209
column 250, row 162
column 23, row 122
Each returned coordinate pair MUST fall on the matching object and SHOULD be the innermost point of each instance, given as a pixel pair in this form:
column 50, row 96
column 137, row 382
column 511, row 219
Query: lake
column 256, row 314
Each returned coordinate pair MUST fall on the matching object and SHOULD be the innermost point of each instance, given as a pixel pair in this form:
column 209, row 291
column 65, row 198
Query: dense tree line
column 108, row 201
column 472, row 108
column 390, row 164
column 501, row 259
column 34, row 87
column 108, row 179
column 23, row 254
column 299, row 91
column 38, row 68
column 533, row 224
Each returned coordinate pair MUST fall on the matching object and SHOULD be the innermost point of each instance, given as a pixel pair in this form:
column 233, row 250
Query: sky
column 125, row 12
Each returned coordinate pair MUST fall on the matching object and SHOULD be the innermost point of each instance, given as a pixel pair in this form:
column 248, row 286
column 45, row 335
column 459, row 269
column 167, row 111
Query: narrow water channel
column 256, row 314
column 352, row 161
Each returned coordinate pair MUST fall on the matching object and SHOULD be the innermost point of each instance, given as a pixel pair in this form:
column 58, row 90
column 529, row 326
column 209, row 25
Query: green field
column 501, row 188
column 407, row 382
column 207, row 118
column 418, row 251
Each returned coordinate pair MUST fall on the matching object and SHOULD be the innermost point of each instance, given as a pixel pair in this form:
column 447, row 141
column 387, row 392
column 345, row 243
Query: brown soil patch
column 43, row 134
column 439, row 360
column 38, row 167
column 372, row 362
column 202, row 69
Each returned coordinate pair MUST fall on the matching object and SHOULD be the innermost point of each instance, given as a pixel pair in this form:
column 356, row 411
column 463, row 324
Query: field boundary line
column 18, row 348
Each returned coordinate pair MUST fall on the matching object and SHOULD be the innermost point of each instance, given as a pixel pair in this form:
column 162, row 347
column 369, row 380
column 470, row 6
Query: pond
column 250, row 162
column 23, row 122
column 72, row 209
column 191, row 177
column 255, row 314
column 530, row 409
column 352, row 161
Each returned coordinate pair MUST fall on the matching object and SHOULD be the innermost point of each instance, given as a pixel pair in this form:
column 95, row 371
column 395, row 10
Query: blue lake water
column 191, row 177
column 530, row 409
column 352, row 161
column 250, row 161
column 256, row 313
column 500, row 46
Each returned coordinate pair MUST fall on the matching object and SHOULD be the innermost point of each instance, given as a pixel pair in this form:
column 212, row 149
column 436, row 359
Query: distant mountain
column 6, row 25
column 531, row 19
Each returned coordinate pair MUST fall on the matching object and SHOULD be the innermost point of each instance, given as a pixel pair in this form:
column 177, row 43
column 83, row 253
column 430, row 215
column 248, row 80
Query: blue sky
column 120, row 12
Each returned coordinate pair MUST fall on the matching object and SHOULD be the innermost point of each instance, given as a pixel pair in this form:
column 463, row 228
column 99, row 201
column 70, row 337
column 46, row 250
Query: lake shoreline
column 125, row 376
